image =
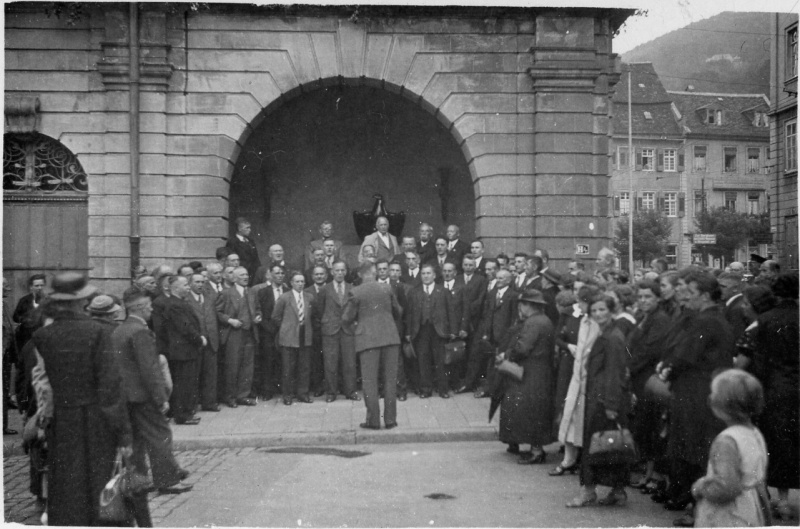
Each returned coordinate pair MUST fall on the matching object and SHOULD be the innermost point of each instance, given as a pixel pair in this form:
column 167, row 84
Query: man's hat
column 103, row 304
column 552, row 276
column 532, row 295
column 757, row 258
column 71, row 286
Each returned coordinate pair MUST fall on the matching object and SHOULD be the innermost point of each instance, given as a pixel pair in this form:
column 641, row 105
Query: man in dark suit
column 237, row 317
column 441, row 257
column 146, row 395
column 477, row 251
column 732, row 284
column 267, row 373
column 319, row 263
column 425, row 246
column 293, row 314
column 521, row 271
column 407, row 369
column 533, row 278
column 185, row 340
column 431, row 319
column 203, row 301
column 326, row 234
column 276, row 256
column 410, row 274
column 319, row 277
column 338, row 345
column 373, row 310
column 474, row 287
column 499, row 313
column 456, row 248
column 25, row 307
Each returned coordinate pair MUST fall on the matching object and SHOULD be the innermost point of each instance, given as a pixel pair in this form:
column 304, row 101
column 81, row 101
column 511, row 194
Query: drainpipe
column 133, row 53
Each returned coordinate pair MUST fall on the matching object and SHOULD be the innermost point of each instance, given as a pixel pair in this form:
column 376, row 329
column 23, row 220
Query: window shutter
column 680, row 162
column 638, row 203
column 638, row 159
column 659, row 201
column 659, row 160
column 616, row 206
column 681, row 204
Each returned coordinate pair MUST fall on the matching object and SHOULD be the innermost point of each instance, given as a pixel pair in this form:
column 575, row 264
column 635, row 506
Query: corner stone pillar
column 573, row 72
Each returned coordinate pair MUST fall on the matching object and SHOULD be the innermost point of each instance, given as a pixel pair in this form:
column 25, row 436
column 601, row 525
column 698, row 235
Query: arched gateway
column 523, row 94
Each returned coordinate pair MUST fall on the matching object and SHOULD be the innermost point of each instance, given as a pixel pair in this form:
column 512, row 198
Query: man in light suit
column 293, row 315
column 237, row 316
column 326, row 234
column 373, row 310
column 338, row 345
column 203, row 302
column 456, row 248
column 385, row 243
column 431, row 319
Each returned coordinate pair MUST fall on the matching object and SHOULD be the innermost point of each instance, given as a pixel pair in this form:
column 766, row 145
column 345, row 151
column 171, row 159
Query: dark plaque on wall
column 365, row 220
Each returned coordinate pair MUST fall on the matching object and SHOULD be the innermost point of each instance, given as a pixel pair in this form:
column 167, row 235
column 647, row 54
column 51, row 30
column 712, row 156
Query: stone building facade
column 522, row 95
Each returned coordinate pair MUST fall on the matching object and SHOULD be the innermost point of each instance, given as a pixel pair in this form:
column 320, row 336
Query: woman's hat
column 71, row 286
column 532, row 295
column 103, row 304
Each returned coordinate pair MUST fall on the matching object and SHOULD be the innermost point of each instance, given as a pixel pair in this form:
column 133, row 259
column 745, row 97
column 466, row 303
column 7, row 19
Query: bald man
column 385, row 243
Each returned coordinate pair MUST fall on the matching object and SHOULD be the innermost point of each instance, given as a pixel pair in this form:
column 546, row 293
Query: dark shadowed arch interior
column 327, row 152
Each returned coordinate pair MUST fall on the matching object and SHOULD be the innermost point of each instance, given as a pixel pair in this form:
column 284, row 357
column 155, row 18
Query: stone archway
column 325, row 153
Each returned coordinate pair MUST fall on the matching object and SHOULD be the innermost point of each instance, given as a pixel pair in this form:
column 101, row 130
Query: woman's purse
column 658, row 390
column 112, row 501
column 511, row 369
column 612, row 447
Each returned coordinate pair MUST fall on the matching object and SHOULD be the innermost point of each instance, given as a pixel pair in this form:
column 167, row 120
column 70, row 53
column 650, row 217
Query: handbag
column 511, row 369
column 454, row 352
column 612, row 447
column 658, row 390
column 112, row 501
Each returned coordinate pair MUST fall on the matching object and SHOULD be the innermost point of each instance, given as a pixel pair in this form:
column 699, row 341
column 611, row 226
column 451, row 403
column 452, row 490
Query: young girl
column 733, row 491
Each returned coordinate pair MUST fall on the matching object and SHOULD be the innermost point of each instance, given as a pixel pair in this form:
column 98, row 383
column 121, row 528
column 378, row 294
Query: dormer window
column 760, row 119
column 648, row 115
column 713, row 116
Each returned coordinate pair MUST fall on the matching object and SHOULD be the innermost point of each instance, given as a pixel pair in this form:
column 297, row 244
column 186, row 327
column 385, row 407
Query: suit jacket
column 247, row 252
column 373, row 310
column 158, row 317
column 329, row 309
column 498, row 316
column 381, row 250
column 183, row 329
column 207, row 314
column 460, row 306
column 286, row 317
column 443, row 313
column 309, row 276
column 232, row 305
column 737, row 316
column 263, row 271
column 411, row 281
column 318, row 245
column 426, row 253
column 474, row 297
column 265, row 304
column 400, row 291
column 480, row 266
column 458, row 252
column 135, row 346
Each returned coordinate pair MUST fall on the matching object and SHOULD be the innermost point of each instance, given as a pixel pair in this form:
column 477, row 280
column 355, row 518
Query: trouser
column 317, row 382
column 371, row 360
column 7, row 363
column 267, row 368
column 152, row 438
column 208, row 377
column 682, row 476
column 476, row 363
column 339, row 349
column 185, row 381
column 430, row 351
column 239, row 367
column 296, row 370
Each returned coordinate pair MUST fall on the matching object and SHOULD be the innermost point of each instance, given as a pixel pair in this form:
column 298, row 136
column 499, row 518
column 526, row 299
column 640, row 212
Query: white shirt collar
column 501, row 291
column 732, row 299
column 241, row 237
column 240, row 289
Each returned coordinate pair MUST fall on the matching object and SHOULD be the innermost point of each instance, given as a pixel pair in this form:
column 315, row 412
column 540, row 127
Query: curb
column 344, row 437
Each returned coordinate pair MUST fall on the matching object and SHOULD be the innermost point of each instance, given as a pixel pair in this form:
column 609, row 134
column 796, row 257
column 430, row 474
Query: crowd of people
column 564, row 356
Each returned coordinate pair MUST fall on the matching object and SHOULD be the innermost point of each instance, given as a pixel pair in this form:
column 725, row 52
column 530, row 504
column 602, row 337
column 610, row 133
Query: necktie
column 499, row 296
column 300, row 309
column 466, row 279
column 428, row 289
column 340, row 292
column 449, row 285
column 201, row 299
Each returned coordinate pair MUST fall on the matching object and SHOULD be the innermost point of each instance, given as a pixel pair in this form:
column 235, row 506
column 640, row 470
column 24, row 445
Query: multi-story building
column 693, row 150
column 783, row 138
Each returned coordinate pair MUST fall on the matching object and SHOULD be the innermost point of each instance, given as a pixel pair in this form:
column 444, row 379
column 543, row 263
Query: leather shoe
column 215, row 407
column 425, row 394
column 265, row 397
column 354, row 396
column 687, row 520
column 390, row 425
column 247, row 401
column 330, row 398
column 402, row 397
column 191, row 421
column 463, row 389
column 444, row 394
column 305, row 399
column 182, row 474
column 319, row 393
column 9, row 431
column 178, row 488
column 368, row 426
column 480, row 394
column 232, row 403
column 287, row 402
column 678, row 504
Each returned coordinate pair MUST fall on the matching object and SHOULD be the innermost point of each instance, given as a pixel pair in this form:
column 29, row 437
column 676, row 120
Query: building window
column 671, row 204
column 791, row 146
column 730, row 200
column 753, row 159
column 752, row 203
column 624, row 203
column 37, row 164
column 648, row 200
column 622, row 157
column 729, row 159
column 760, row 119
column 791, row 70
column 713, row 117
column 648, row 160
column 700, row 152
column 672, row 255
column 699, row 202
column 670, row 159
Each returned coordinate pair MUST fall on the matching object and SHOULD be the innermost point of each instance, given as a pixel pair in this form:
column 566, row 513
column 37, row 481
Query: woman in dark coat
column 88, row 422
column 525, row 411
column 705, row 344
column 777, row 365
column 607, row 404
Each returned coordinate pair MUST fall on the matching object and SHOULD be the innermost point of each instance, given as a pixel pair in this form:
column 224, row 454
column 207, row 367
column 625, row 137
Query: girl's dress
column 733, row 491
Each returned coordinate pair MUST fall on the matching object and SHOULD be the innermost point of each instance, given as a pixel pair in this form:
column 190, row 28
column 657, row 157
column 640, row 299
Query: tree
column 732, row 230
column 651, row 231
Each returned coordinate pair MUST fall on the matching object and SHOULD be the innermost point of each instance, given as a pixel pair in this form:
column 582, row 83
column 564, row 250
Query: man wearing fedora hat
column 103, row 308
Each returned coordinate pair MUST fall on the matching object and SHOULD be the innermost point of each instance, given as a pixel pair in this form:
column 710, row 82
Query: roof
column 646, row 87
column 738, row 113
column 647, row 96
